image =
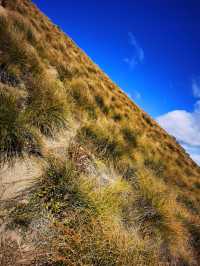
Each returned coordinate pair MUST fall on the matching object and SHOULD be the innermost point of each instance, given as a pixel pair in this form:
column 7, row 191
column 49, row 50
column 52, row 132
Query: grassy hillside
column 115, row 188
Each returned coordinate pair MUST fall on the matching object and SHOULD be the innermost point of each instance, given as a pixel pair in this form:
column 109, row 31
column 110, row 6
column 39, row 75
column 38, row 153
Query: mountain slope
column 87, row 177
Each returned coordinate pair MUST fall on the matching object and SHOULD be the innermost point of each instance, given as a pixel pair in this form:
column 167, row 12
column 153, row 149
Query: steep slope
column 87, row 177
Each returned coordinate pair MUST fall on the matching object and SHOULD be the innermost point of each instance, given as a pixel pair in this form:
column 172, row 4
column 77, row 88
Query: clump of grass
column 16, row 136
column 117, row 117
column 188, row 203
column 80, row 94
column 109, row 200
column 64, row 73
column 147, row 119
column 15, row 51
column 89, row 232
column 60, row 188
column 157, row 166
column 24, row 27
column 129, row 136
column 46, row 106
column 101, row 104
column 128, row 171
column 106, row 145
column 155, row 211
column 98, row 243
column 194, row 231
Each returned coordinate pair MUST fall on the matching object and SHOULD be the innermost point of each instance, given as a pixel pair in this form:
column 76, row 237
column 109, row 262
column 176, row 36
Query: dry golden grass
column 149, row 214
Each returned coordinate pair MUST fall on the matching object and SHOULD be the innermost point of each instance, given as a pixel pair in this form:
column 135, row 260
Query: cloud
column 185, row 126
column 197, row 107
column 196, row 158
column 196, row 87
column 138, row 52
column 194, row 152
column 134, row 95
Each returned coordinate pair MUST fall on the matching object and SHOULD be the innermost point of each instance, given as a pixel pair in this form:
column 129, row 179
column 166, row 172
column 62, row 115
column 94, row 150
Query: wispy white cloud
column 197, row 106
column 185, row 126
column 134, row 95
column 194, row 152
column 138, row 52
column 196, row 87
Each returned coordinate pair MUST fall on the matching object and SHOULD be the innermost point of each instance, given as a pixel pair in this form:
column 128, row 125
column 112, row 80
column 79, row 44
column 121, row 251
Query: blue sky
column 149, row 48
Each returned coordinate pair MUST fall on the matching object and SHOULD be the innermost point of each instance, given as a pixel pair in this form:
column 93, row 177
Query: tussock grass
column 157, row 166
column 15, row 50
column 155, row 211
column 46, row 107
column 134, row 219
column 90, row 232
column 24, row 27
column 128, row 171
column 108, row 200
column 105, row 144
column 194, row 231
column 101, row 104
column 97, row 243
column 130, row 136
column 117, row 117
column 79, row 92
column 16, row 135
